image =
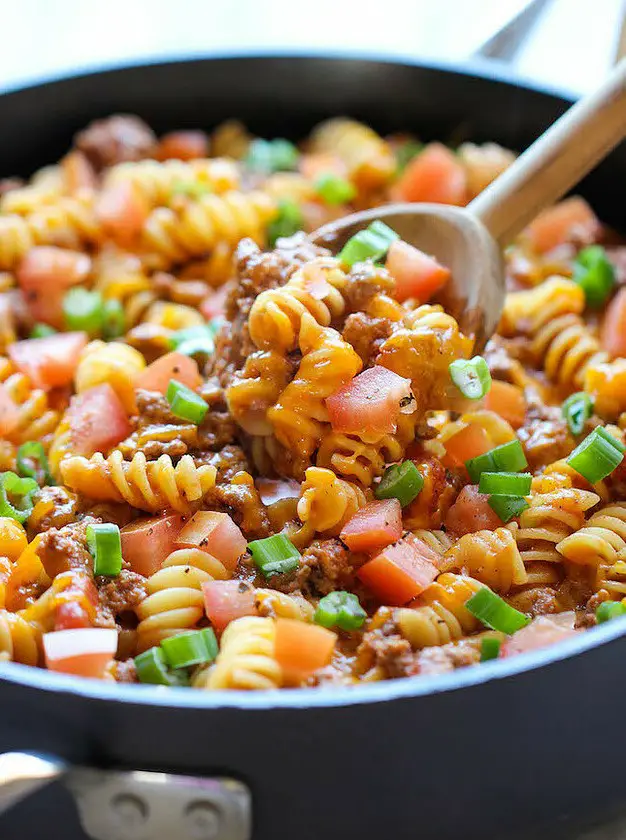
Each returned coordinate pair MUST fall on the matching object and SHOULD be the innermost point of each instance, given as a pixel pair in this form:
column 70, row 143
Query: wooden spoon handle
column 555, row 162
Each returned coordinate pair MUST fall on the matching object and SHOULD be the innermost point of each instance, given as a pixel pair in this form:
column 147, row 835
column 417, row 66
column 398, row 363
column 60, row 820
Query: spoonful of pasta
column 468, row 240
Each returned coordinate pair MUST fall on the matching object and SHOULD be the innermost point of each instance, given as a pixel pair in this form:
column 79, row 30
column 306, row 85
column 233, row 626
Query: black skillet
column 508, row 749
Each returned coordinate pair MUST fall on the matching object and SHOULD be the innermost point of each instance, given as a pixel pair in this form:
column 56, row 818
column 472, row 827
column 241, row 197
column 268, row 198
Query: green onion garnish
column 609, row 610
column 185, row 403
column 406, row 151
column 16, row 496
column 595, row 274
column 369, row 244
column 113, row 319
column 32, row 462
column 334, row 190
column 192, row 648
column 42, row 331
column 197, row 342
column 288, row 221
column 274, row 555
column 490, row 648
column 105, row 546
column 508, row 457
column 597, row 456
column 83, row 310
column 340, row 609
column 507, row 507
column 267, row 156
column 576, row 410
column 400, row 481
column 495, row 613
column 471, row 377
column 505, row 483
column 152, row 668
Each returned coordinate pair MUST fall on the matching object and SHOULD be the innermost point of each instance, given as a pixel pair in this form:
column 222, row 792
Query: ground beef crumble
column 62, row 549
column 366, row 334
column 117, row 595
column 116, row 139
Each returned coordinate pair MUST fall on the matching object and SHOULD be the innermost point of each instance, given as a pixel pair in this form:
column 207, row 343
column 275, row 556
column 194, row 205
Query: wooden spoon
column 469, row 239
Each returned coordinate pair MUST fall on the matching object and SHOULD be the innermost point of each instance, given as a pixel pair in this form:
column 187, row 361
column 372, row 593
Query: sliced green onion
column 576, row 410
column 406, row 151
column 595, row 274
column 490, row 648
column 16, row 496
column 42, row 331
column 267, row 156
column 471, row 377
column 334, row 190
column 105, row 546
column 508, row 457
column 113, row 319
column 608, row 610
column 274, row 555
column 192, row 648
column 185, row 403
column 32, row 462
column 400, row 481
column 340, row 609
column 198, row 342
column 597, row 456
column 83, row 310
column 507, row 507
column 288, row 221
column 494, row 612
column 191, row 189
column 601, row 430
column 369, row 244
column 152, row 668
column 505, row 483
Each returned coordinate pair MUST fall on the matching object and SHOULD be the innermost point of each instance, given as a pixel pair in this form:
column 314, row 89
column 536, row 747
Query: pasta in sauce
column 230, row 459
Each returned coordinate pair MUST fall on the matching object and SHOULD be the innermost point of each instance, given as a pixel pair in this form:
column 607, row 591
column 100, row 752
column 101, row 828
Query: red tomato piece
column 48, row 362
column 508, row 401
column 83, row 652
column 214, row 306
column 561, row 223
column 470, row 442
column 9, row 412
column 183, row 145
column 613, row 334
column 435, row 175
column 44, row 276
column 157, row 376
column 226, row 600
column 97, row 420
column 313, row 166
column 71, row 616
column 215, row 533
column 122, row 211
column 401, row 571
column 374, row 526
column 417, row 275
column 370, row 403
column 541, row 632
column 471, row 512
column 301, row 649
column 147, row 542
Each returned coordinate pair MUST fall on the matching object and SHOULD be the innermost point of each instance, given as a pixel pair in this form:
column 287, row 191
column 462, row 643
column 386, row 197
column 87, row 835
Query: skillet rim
column 307, row 698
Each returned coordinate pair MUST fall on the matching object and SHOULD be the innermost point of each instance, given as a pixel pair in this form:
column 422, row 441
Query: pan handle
column 137, row 804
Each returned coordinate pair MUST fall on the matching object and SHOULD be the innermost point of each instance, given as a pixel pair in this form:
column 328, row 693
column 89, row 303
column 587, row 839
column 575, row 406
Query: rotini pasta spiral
column 441, row 616
column 276, row 314
column 160, row 182
column 121, row 276
column 35, row 419
column 327, row 502
column 199, row 226
column 328, row 362
column 246, row 658
column 274, row 604
column 113, row 363
column 257, row 388
column 600, row 540
column 548, row 520
column 19, row 639
column 367, row 157
column 175, row 603
column 491, row 557
column 147, row 485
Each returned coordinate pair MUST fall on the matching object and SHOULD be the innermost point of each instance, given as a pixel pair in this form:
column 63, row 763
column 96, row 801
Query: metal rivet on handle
column 203, row 821
column 129, row 812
